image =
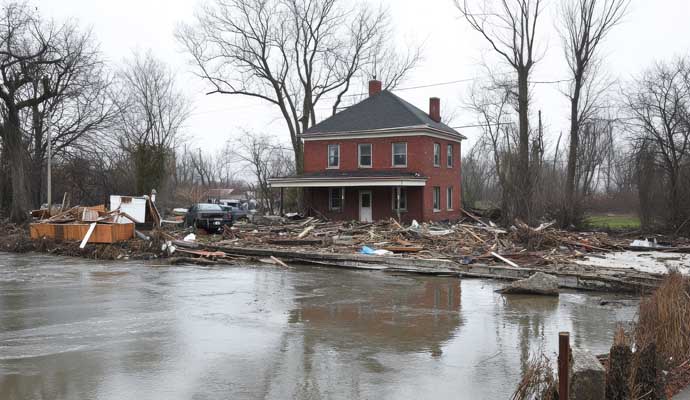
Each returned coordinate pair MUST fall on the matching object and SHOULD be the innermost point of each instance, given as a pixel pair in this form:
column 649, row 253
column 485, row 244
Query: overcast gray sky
column 652, row 30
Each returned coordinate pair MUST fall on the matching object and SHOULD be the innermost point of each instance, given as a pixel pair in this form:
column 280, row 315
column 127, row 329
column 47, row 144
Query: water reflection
column 409, row 315
column 77, row 329
column 530, row 314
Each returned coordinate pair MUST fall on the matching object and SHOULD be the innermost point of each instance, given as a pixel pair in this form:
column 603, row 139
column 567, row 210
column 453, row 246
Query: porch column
column 281, row 201
column 397, row 201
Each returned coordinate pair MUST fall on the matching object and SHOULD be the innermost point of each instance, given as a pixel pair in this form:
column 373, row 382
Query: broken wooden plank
column 202, row 253
column 87, row 236
column 404, row 249
column 306, row 231
column 295, row 242
column 279, row 262
column 505, row 260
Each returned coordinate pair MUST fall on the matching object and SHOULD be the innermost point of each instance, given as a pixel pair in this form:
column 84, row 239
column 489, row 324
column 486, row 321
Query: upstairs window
column 336, row 199
column 400, row 154
column 449, row 156
column 437, row 198
column 333, row 155
column 364, row 155
column 449, row 198
column 403, row 199
column 437, row 155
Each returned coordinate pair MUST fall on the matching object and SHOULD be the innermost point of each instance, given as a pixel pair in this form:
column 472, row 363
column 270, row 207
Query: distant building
column 216, row 195
column 381, row 158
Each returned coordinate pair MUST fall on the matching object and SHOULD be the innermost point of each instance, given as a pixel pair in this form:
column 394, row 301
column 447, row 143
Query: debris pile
column 467, row 241
column 86, row 225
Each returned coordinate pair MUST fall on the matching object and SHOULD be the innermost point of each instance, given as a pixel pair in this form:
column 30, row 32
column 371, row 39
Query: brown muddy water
column 78, row 329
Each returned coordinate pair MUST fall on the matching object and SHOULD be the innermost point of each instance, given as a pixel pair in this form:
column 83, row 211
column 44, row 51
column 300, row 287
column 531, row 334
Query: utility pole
column 46, row 110
column 50, row 145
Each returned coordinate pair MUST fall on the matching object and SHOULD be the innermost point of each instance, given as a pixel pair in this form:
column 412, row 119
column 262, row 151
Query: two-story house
column 381, row 158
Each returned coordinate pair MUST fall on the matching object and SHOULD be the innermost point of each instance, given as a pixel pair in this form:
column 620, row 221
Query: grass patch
column 610, row 221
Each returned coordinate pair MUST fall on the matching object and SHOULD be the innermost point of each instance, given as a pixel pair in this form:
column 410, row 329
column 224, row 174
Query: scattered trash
column 142, row 236
column 646, row 243
column 380, row 252
column 190, row 238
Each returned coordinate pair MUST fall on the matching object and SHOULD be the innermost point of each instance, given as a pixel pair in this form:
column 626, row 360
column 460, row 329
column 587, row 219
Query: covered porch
column 363, row 198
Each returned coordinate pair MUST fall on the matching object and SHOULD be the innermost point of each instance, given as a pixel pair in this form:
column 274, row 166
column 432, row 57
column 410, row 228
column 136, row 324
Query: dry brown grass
column 665, row 320
column 538, row 381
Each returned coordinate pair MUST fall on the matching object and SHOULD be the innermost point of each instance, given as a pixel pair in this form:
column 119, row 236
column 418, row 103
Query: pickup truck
column 211, row 217
column 237, row 212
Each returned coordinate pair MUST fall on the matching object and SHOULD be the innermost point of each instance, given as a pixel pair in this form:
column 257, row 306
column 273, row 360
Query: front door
column 365, row 206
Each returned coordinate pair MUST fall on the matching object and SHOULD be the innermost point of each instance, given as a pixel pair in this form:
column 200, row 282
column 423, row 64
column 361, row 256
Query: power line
column 481, row 125
column 364, row 94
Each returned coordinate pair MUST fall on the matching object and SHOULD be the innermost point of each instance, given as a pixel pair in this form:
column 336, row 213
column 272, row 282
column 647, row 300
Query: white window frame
column 328, row 156
column 341, row 193
column 449, row 155
column 359, row 155
column 393, row 155
column 403, row 198
column 437, row 154
column 436, row 205
column 449, row 198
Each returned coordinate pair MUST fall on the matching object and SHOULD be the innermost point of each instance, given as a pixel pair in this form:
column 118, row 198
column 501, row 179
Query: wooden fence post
column 563, row 364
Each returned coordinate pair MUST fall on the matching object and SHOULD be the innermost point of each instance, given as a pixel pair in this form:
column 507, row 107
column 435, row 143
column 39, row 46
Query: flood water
column 77, row 329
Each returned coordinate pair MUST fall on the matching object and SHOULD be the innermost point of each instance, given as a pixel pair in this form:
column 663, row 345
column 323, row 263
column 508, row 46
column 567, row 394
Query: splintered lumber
column 202, row 253
column 403, row 249
column 474, row 217
column 306, row 231
column 65, row 215
column 295, row 242
column 505, row 260
column 306, row 221
column 279, row 262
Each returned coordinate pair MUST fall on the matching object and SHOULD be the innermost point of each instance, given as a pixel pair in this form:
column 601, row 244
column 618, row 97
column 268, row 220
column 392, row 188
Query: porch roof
column 350, row 178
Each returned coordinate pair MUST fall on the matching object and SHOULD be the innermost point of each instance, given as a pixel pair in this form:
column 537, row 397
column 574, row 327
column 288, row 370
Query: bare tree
column 585, row 25
column 80, row 110
column 30, row 49
column 152, row 112
column 658, row 103
column 291, row 53
column 266, row 159
column 510, row 29
column 492, row 106
column 478, row 178
column 595, row 145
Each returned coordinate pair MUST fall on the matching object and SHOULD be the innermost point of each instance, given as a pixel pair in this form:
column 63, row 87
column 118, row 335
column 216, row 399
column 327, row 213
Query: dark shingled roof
column 381, row 111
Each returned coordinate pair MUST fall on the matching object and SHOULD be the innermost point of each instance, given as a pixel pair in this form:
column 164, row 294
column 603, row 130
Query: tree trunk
column 36, row 172
column 18, row 164
column 298, row 149
column 675, row 202
column 5, row 182
column 571, row 198
column 523, row 175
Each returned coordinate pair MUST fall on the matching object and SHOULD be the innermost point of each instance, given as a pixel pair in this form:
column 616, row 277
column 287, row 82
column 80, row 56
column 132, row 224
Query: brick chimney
column 435, row 109
column 374, row 87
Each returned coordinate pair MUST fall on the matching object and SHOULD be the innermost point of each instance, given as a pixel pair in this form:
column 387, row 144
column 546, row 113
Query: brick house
column 381, row 158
